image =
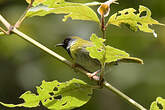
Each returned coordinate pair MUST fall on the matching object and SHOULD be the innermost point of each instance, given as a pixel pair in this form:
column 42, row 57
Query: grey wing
column 83, row 59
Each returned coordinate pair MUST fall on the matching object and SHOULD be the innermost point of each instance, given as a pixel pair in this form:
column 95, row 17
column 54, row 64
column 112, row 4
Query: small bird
column 76, row 48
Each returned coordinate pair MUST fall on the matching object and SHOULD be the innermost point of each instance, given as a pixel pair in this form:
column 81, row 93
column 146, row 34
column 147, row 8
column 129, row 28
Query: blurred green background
column 23, row 66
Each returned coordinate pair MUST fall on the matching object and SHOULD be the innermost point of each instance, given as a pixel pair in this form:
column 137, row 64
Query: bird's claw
column 93, row 74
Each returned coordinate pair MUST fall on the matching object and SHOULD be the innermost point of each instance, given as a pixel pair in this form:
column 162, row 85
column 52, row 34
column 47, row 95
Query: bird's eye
column 66, row 41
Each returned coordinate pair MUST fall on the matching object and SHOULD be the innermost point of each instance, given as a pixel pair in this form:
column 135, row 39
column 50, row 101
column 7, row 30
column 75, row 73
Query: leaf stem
column 22, row 18
column 103, row 26
column 62, row 59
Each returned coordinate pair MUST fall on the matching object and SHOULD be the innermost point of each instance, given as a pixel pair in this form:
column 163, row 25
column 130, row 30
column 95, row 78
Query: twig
column 103, row 28
column 60, row 58
column 3, row 31
column 22, row 18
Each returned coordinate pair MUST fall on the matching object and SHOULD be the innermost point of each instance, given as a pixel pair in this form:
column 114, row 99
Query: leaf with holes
column 99, row 50
column 31, row 100
column 54, row 3
column 76, row 11
column 45, row 2
column 159, row 104
column 116, row 55
column 135, row 21
column 57, row 96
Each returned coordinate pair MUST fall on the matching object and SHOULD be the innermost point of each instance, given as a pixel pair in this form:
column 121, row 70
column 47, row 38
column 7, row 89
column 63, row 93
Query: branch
column 3, row 31
column 60, row 58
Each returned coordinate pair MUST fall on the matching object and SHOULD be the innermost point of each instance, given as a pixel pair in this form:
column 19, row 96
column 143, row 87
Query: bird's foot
column 93, row 74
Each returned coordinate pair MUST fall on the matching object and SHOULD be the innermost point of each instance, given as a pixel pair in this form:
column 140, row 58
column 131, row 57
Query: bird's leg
column 91, row 75
column 94, row 74
column 100, row 79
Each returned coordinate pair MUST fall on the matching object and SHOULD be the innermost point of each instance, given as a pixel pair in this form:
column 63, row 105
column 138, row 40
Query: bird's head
column 69, row 42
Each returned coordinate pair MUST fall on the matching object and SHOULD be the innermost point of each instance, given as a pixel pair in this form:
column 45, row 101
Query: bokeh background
column 23, row 66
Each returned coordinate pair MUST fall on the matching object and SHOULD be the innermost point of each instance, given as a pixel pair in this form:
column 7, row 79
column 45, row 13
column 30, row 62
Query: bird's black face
column 66, row 43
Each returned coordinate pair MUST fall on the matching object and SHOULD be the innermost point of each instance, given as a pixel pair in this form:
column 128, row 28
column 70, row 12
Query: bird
column 76, row 48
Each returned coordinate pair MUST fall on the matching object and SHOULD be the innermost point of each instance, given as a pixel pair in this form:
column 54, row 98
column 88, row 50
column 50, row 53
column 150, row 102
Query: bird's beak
column 59, row 44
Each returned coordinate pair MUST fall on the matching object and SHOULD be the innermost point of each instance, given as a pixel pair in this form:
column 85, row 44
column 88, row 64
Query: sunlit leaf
column 97, row 51
column 31, row 100
column 140, row 19
column 159, row 104
column 57, row 96
column 74, row 11
column 44, row 2
column 113, row 54
column 2, row 33
column 131, row 60
column 108, row 54
column 99, row 42
column 77, row 12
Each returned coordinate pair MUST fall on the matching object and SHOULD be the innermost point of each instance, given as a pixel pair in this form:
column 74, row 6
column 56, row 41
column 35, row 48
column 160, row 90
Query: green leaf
column 99, row 50
column 99, row 42
column 52, row 3
column 113, row 55
column 131, row 60
column 76, row 11
column 45, row 2
column 57, row 96
column 2, row 33
column 159, row 104
column 140, row 21
column 31, row 100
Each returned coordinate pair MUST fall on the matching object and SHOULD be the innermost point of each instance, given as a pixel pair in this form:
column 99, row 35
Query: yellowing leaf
column 77, row 12
column 113, row 54
column 31, row 100
column 99, row 50
column 73, row 10
column 140, row 21
column 116, row 55
column 159, row 104
column 44, row 2
column 57, row 96
column 99, row 42
column 131, row 60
